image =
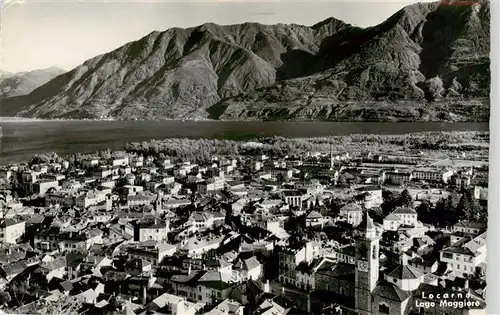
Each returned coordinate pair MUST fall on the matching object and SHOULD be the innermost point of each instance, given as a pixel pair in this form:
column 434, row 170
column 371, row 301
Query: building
column 372, row 196
column 469, row 227
column 432, row 175
column 364, row 288
column 11, row 230
column 481, row 193
column 290, row 257
column 283, row 173
column 465, row 258
column 42, row 186
column 61, row 197
column 401, row 216
column 119, row 161
column 90, row 198
column 352, row 213
column 210, row 185
column 293, row 198
column 151, row 230
column 314, row 219
column 398, row 178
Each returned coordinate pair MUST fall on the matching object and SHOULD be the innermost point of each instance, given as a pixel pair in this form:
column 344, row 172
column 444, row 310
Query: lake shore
column 22, row 139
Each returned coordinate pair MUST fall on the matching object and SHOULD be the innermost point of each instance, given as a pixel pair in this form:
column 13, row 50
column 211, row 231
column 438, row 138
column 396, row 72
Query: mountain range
column 427, row 62
column 21, row 83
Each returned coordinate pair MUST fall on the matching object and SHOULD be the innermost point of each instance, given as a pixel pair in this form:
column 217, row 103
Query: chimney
column 466, row 284
column 266, row 286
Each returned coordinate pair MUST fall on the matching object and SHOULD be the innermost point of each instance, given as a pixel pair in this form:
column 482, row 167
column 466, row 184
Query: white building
column 90, row 198
column 11, row 230
column 465, row 258
column 469, row 227
column 433, row 175
column 151, row 230
column 401, row 216
column 293, row 198
column 41, row 187
column 352, row 213
column 119, row 161
column 178, row 305
column 481, row 193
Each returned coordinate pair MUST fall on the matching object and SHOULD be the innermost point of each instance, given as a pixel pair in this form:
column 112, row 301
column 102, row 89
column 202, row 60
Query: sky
column 63, row 33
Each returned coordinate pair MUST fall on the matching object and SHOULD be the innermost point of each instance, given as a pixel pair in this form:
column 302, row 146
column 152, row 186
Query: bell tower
column 158, row 202
column 367, row 265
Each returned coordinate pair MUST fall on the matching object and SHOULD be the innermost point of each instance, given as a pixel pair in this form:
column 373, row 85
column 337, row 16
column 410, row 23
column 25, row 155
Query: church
column 364, row 288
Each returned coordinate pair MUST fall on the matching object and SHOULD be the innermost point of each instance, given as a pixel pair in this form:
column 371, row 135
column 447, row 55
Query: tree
column 19, row 292
column 390, row 202
column 229, row 214
column 445, row 214
column 405, row 199
column 424, row 212
column 464, row 208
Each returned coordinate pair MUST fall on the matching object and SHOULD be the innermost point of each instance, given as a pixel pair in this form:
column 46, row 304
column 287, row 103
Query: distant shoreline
column 355, row 140
column 23, row 119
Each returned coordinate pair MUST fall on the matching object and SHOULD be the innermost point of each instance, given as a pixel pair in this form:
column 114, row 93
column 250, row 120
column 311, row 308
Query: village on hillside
column 325, row 232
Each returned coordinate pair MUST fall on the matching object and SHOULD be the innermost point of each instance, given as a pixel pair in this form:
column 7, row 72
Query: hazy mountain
column 426, row 62
column 4, row 74
column 21, row 83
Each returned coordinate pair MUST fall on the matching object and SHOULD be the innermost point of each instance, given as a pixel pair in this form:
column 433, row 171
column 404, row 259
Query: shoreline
column 22, row 119
column 352, row 139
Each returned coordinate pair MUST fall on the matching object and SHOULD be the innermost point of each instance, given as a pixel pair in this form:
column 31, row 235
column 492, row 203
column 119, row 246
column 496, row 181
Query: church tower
column 367, row 264
column 158, row 202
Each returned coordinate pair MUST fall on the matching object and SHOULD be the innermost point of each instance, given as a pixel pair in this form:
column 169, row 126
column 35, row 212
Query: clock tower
column 367, row 264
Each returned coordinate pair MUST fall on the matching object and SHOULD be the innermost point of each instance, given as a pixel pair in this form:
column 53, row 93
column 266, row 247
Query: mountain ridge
column 328, row 71
column 21, row 83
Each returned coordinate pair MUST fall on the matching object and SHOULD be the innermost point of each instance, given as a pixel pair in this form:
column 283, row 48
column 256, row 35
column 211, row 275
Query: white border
column 493, row 275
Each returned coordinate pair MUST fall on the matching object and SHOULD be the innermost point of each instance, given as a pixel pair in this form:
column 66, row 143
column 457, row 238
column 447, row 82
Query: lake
column 22, row 139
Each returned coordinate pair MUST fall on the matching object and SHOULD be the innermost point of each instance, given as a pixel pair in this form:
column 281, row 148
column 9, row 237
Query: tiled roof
column 405, row 272
column 351, row 207
column 314, row 215
column 459, row 250
column 392, row 217
column 389, row 291
column 472, row 225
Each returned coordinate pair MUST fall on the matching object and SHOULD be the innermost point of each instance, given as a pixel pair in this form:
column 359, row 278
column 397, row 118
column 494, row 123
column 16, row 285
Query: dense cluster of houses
column 135, row 234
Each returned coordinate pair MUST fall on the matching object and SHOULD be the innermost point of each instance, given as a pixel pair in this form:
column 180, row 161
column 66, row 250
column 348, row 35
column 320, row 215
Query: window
column 374, row 253
column 383, row 308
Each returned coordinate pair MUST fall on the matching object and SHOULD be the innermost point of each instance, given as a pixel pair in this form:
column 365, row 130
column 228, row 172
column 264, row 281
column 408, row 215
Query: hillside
column 427, row 62
column 21, row 83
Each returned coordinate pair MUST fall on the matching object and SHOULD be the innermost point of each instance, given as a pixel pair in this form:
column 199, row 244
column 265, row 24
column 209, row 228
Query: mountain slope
column 177, row 73
column 21, row 83
column 426, row 62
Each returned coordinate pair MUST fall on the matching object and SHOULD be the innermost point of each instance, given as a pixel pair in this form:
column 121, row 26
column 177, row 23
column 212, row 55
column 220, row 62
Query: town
column 246, row 230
